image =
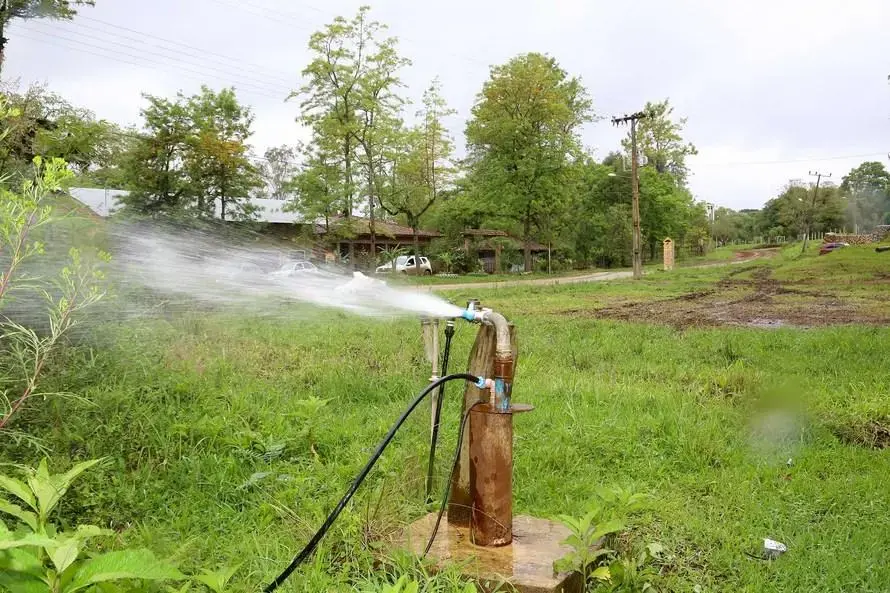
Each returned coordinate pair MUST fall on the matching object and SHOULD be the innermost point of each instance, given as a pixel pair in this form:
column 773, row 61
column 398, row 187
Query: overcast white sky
column 772, row 88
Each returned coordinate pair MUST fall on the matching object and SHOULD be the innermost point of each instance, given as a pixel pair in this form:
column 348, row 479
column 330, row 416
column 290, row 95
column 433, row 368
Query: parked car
column 296, row 268
column 829, row 247
column 405, row 265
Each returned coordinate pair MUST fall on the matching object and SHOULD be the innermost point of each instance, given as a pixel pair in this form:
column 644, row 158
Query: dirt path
column 740, row 257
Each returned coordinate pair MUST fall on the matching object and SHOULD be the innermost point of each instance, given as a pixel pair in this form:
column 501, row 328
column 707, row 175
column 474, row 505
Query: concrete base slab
column 526, row 564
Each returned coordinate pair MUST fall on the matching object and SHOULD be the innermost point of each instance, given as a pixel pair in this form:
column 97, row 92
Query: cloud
column 763, row 80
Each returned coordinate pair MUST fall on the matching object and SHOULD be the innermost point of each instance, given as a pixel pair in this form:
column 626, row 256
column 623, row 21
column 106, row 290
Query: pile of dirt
column 761, row 301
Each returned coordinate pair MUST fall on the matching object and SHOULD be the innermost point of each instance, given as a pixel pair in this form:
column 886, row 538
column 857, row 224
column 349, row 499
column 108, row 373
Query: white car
column 405, row 265
column 296, row 268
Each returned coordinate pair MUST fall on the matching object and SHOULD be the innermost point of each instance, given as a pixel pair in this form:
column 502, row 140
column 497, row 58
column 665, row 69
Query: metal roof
column 106, row 202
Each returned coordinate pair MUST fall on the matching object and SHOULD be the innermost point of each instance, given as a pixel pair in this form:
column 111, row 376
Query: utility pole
column 635, row 188
column 812, row 208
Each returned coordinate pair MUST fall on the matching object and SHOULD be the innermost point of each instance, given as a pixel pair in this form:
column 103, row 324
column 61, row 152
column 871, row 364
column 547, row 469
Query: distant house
column 387, row 235
column 106, row 202
column 278, row 223
column 490, row 245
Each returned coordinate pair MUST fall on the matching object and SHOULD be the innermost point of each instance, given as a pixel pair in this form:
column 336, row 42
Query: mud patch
column 761, row 302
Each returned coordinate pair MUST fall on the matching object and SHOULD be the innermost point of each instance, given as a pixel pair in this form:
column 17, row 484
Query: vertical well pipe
column 491, row 476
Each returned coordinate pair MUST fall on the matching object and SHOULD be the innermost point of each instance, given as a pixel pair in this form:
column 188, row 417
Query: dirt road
column 741, row 256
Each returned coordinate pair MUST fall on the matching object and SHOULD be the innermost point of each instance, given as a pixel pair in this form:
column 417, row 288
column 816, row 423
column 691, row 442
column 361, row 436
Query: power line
column 141, row 61
column 276, row 16
column 110, row 45
column 264, row 13
column 223, row 57
column 798, row 160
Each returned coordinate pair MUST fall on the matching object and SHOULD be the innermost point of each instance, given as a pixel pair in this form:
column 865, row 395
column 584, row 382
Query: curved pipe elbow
column 502, row 331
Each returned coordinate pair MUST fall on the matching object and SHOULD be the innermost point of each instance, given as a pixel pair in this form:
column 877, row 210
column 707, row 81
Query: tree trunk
column 527, row 247
column 371, row 228
column 416, row 248
column 347, row 206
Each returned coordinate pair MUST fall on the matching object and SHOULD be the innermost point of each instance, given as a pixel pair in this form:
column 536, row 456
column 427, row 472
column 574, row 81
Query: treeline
column 857, row 205
column 371, row 155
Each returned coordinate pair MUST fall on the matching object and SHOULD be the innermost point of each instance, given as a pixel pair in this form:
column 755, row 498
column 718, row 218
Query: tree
column 331, row 97
column 660, row 140
column 523, row 138
column 40, row 122
column 426, row 167
column 378, row 109
column 867, row 192
column 278, row 170
column 31, row 9
column 794, row 211
column 154, row 169
column 192, row 155
column 318, row 188
column 217, row 162
column 665, row 209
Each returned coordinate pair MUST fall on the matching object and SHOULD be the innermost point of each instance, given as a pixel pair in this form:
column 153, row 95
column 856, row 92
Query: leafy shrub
column 594, row 542
column 37, row 556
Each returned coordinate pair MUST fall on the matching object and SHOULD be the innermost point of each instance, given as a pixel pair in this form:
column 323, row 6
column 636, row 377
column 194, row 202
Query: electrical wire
column 180, row 54
column 434, row 437
column 142, row 62
column 206, row 53
column 313, row 543
column 457, row 448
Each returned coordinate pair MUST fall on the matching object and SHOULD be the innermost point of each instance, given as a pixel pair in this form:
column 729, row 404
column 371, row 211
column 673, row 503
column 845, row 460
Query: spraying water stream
column 211, row 269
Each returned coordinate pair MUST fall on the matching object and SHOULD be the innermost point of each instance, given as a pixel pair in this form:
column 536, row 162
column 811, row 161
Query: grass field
column 229, row 437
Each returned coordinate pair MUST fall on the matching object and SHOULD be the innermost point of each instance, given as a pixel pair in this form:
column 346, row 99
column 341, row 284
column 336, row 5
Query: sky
column 772, row 89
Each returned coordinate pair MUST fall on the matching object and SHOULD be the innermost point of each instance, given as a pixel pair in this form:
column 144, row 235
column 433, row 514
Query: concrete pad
column 526, row 564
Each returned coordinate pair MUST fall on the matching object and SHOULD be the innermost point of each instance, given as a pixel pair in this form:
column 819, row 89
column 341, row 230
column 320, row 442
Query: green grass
column 191, row 411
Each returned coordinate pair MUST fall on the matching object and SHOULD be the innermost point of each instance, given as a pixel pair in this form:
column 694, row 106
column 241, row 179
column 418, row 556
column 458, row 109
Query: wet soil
column 759, row 301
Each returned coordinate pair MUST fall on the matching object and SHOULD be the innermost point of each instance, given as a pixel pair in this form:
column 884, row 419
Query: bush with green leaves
column 594, row 542
column 27, row 346
column 37, row 557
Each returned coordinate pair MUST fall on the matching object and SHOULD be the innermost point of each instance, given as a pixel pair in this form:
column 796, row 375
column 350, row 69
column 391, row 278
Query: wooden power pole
column 635, row 188
column 812, row 208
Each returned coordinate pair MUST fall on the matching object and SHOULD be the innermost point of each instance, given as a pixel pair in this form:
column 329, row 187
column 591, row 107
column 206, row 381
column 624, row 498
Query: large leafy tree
column 192, row 156
column 40, row 122
column 423, row 164
column 217, row 162
column 379, row 126
column 663, row 209
column 798, row 208
column 867, row 192
column 523, row 138
column 347, row 101
column 660, row 140
column 154, row 168
column 31, row 9
column 317, row 189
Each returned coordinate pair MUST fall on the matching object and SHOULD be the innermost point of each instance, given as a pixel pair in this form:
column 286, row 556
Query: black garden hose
column 313, row 543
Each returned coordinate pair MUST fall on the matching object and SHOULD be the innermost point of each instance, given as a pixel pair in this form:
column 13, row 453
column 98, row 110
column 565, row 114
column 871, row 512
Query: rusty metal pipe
column 491, row 476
